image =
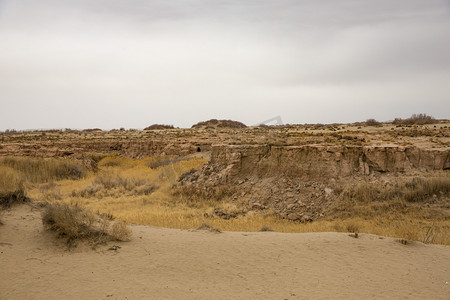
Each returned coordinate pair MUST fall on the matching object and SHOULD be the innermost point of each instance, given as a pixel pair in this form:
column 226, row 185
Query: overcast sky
column 110, row 63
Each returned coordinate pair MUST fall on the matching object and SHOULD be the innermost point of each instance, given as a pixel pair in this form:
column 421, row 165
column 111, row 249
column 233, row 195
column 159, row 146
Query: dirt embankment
column 132, row 149
column 321, row 163
column 300, row 182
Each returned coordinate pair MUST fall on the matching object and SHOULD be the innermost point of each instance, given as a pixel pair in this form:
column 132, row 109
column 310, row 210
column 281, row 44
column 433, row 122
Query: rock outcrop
column 298, row 182
column 230, row 164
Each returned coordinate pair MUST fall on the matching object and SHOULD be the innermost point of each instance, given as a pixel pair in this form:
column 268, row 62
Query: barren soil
column 163, row 263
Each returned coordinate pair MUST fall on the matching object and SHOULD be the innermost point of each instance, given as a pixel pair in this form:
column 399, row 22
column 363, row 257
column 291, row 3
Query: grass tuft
column 76, row 223
column 12, row 189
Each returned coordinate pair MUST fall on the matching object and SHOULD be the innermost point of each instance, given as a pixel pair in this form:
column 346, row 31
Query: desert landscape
column 222, row 210
column 198, row 149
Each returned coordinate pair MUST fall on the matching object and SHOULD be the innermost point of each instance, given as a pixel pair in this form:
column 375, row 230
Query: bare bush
column 110, row 181
column 75, row 223
column 12, row 189
column 158, row 127
column 372, row 122
column 416, row 119
column 220, row 123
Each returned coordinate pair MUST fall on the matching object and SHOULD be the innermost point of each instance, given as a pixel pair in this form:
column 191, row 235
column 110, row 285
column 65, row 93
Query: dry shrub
column 407, row 232
column 10, row 180
column 362, row 192
column 112, row 183
column 352, row 226
column 112, row 180
column 432, row 235
column 76, row 223
column 9, row 199
column 372, row 122
column 416, row 119
column 39, row 170
column 158, row 127
column 50, row 191
column 220, row 123
column 12, row 189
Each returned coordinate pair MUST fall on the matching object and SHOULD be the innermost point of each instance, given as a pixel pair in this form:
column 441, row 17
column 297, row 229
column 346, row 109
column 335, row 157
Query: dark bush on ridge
column 159, row 127
column 420, row 119
column 372, row 122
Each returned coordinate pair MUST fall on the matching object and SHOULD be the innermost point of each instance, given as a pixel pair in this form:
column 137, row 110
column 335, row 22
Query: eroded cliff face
column 321, row 163
column 299, row 182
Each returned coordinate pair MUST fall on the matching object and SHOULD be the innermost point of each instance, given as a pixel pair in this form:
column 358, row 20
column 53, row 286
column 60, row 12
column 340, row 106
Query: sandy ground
column 163, row 263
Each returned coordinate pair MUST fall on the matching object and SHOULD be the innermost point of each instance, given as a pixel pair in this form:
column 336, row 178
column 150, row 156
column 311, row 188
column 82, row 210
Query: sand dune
column 161, row 263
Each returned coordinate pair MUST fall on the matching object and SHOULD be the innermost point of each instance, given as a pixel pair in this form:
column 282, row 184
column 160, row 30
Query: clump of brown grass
column 419, row 189
column 435, row 234
column 408, row 232
column 12, row 189
column 50, row 191
column 76, row 223
column 352, row 226
column 112, row 184
column 10, row 180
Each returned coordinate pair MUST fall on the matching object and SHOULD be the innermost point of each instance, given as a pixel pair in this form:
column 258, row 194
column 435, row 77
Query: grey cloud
column 129, row 63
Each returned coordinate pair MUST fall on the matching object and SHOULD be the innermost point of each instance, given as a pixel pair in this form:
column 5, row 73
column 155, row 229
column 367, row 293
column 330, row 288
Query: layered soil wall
column 321, row 162
column 303, row 182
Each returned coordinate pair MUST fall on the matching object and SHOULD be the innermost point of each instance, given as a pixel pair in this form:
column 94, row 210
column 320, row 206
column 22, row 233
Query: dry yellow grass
column 10, row 180
column 75, row 223
column 38, row 170
column 140, row 192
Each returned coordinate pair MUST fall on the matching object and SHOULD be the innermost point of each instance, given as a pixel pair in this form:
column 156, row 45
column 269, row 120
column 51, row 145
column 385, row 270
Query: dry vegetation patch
column 12, row 189
column 416, row 119
column 414, row 209
column 141, row 190
column 38, row 170
column 159, row 127
column 75, row 223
